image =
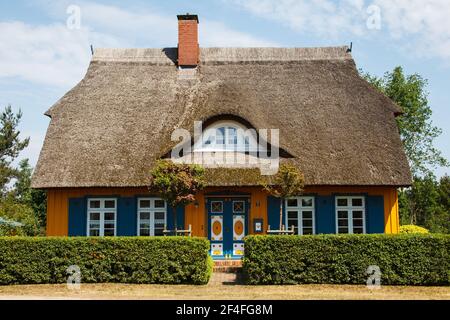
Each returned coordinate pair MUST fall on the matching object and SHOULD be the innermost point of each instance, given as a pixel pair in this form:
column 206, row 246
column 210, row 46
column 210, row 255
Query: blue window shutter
column 77, row 217
column 375, row 214
column 126, row 217
column 180, row 217
column 273, row 213
column 325, row 215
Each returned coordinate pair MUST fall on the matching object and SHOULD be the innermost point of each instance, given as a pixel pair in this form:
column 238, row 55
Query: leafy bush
column 344, row 259
column 168, row 260
column 412, row 229
column 10, row 210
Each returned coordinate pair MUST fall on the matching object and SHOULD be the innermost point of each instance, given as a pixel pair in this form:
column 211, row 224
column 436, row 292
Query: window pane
column 109, row 232
column 357, row 214
column 159, row 232
column 342, row 223
column 144, row 215
column 110, row 204
column 307, row 214
column 94, row 204
column 144, row 225
column 220, row 135
column 238, row 206
column 109, row 215
column 307, row 231
column 292, row 203
column 159, row 216
column 159, row 226
column 307, row 223
column 144, row 204
column 94, row 225
column 94, row 232
column 144, row 232
column 216, row 206
column 357, row 230
column 109, row 226
column 342, row 202
column 94, row 216
column 358, row 223
column 343, row 230
column 292, row 223
column 159, row 203
column 357, row 202
column 232, row 136
column 308, row 202
column 342, row 214
column 292, row 215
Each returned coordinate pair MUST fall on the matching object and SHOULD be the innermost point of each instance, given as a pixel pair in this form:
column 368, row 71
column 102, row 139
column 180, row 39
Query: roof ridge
column 162, row 56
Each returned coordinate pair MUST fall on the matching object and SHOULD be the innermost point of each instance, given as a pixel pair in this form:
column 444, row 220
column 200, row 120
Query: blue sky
column 41, row 58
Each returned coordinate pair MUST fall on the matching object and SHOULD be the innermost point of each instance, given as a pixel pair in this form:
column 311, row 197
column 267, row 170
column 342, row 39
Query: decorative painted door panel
column 227, row 226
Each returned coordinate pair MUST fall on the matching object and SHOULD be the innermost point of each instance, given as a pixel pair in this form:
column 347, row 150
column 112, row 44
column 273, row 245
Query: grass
column 220, row 291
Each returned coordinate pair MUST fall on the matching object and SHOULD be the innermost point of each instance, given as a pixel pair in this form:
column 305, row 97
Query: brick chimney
column 188, row 49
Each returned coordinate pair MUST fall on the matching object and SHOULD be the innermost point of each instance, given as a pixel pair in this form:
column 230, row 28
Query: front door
column 227, row 226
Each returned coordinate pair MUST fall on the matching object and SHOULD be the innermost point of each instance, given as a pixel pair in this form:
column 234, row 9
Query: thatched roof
column 110, row 128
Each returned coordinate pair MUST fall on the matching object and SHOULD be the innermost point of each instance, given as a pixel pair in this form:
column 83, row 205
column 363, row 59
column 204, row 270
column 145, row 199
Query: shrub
column 412, row 229
column 165, row 260
column 344, row 259
column 18, row 212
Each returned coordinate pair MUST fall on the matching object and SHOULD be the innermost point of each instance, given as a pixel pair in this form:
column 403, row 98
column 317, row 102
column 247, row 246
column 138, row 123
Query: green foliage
column 163, row 260
column 427, row 204
column 416, row 128
column 287, row 182
column 410, row 228
column 19, row 203
column 11, row 210
column 10, row 144
column 176, row 183
column 344, row 259
column 24, row 194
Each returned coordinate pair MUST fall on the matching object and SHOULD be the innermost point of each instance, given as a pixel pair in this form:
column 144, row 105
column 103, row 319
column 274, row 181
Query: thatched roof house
column 119, row 119
column 109, row 129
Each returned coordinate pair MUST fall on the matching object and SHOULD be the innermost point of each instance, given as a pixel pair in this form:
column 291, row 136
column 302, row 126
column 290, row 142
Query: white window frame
column 152, row 210
column 299, row 208
column 246, row 139
column 350, row 208
column 102, row 210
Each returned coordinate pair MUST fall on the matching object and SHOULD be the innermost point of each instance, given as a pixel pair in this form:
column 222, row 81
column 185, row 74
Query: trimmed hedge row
column 165, row 260
column 344, row 259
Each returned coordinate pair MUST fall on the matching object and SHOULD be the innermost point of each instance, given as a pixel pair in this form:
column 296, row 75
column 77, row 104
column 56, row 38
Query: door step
column 227, row 272
column 227, row 266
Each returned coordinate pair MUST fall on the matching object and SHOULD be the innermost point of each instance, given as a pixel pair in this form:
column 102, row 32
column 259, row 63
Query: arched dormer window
column 227, row 136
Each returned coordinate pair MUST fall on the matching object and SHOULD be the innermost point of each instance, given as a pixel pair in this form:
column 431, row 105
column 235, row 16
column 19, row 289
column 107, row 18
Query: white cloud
column 425, row 24
column 50, row 54
column 160, row 30
column 57, row 56
column 422, row 26
column 323, row 17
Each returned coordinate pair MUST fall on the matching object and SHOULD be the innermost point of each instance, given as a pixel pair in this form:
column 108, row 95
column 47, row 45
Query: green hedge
column 335, row 259
column 167, row 260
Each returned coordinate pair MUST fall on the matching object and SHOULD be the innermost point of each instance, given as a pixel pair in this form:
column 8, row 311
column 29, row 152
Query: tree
column 23, row 214
column 20, row 205
column 287, row 182
column 426, row 204
column 10, row 145
column 177, row 184
column 36, row 199
column 416, row 128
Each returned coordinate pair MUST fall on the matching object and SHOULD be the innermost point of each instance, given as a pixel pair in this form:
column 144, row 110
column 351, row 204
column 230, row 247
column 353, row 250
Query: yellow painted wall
column 58, row 199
